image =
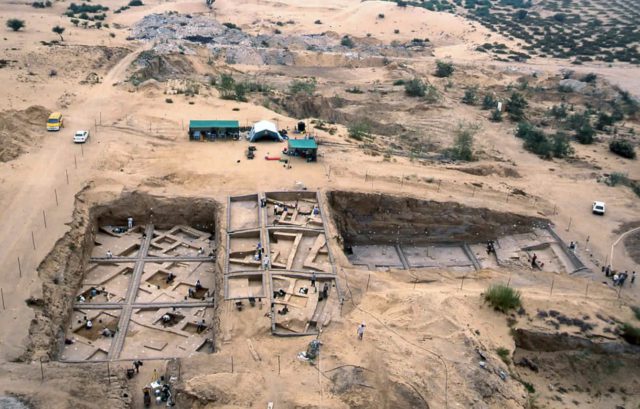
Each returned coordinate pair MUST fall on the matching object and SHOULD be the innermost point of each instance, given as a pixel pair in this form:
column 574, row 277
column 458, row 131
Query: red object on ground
column 272, row 157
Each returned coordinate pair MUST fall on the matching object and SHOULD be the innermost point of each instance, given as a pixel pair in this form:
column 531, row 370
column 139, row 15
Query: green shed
column 305, row 148
column 210, row 130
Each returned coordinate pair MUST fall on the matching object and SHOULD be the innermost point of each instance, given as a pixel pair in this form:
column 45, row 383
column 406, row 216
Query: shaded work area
column 210, row 130
column 304, row 148
column 283, row 262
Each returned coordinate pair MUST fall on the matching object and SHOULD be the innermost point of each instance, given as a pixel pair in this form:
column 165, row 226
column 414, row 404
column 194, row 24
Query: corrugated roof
column 302, row 144
column 199, row 124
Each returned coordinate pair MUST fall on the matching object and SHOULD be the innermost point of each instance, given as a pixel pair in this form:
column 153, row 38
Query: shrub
column 496, row 115
column 516, row 105
column 619, row 178
column 561, row 146
column 317, row 22
column 503, row 298
column 347, row 42
column 307, row 87
column 504, row 354
column 489, row 102
column 636, row 311
column 168, row 100
column 15, row 24
column 75, row 21
column 470, row 96
column 276, row 31
column 359, row 131
column 444, row 69
column 227, row 82
column 241, row 92
column 630, row 333
column 585, row 134
column 591, row 77
column 380, row 15
column 136, row 3
column 354, row 90
column 415, row 88
column 462, row 148
column 398, row 82
column 231, row 26
column 623, row 148
column 559, row 111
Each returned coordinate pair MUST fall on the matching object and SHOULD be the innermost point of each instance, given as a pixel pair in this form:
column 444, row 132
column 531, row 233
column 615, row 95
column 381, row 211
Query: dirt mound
column 486, row 170
column 364, row 218
column 151, row 65
column 21, row 130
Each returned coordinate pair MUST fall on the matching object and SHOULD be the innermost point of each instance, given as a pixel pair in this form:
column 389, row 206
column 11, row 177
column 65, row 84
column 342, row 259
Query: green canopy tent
column 306, row 148
column 210, row 130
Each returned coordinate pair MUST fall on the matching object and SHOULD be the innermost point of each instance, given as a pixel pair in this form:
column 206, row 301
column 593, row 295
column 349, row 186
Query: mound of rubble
column 180, row 33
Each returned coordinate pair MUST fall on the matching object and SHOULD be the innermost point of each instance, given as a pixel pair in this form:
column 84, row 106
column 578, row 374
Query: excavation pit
column 165, row 264
column 381, row 232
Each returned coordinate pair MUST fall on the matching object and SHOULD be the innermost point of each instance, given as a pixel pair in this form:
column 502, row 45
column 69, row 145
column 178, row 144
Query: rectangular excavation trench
column 126, row 281
column 380, row 232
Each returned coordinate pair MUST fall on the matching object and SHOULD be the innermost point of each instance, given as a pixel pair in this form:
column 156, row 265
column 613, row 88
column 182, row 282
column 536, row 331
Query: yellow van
column 54, row 123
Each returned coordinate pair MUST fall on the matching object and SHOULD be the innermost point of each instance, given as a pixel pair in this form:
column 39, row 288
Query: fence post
column 368, row 279
column 41, row 370
column 66, row 172
column 553, row 280
column 232, row 364
column 461, row 282
column 44, row 217
column 56, row 193
column 2, row 294
column 19, row 267
column 570, row 220
column 439, row 183
column 278, row 364
column 586, row 291
column 33, row 240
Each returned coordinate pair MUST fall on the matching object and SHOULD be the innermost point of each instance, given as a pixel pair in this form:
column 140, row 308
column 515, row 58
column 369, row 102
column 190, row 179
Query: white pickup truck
column 80, row 136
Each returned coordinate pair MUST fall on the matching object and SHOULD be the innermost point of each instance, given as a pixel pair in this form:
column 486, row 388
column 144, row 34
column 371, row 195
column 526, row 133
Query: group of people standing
column 618, row 278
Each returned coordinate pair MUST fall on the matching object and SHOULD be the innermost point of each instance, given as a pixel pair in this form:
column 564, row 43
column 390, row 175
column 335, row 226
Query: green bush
column 516, row 106
column 470, row 96
column 398, row 82
column 359, row 131
column 489, row 102
column 619, row 178
column 306, row 87
column 444, row 69
column 561, row 147
column 462, row 148
column 503, row 298
column 636, row 311
column 623, row 148
column 496, row 115
column 347, row 42
column 15, row 24
column 415, row 88
column 630, row 333
column 136, row 3
column 504, row 354
column 586, row 134
column 231, row 26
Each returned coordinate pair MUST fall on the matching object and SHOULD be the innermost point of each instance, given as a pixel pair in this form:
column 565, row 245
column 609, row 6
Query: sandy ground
column 140, row 143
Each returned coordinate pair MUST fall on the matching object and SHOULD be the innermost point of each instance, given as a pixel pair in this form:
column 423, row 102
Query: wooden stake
column 67, row 173
column 44, row 217
column 552, row 283
column 19, row 267
column 56, row 193
column 41, row 370
column 368, row 279
column 33, row 240
column 2, row 293
column 278, row 364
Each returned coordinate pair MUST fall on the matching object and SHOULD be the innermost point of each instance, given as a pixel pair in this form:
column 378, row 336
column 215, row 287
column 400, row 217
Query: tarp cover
column 264, row 130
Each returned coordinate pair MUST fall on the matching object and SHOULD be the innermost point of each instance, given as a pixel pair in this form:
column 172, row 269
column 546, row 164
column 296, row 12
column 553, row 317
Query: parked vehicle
column 598, row 208
column 81, row 136
column 55, row 122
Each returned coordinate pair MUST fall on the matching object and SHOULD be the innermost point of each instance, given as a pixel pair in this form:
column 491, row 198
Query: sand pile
column 21, row 130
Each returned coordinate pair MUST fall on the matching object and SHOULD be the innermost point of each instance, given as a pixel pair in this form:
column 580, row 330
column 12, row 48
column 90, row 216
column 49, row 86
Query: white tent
column 264, row 130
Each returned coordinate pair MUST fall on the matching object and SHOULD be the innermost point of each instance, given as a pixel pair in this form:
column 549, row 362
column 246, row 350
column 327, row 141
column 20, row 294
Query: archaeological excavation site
column 183, row 282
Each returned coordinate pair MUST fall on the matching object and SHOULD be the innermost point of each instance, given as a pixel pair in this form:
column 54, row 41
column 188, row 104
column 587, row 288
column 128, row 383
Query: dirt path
column 46, row 172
